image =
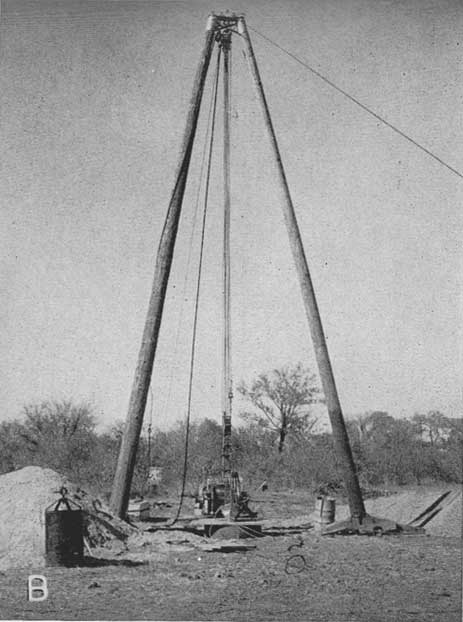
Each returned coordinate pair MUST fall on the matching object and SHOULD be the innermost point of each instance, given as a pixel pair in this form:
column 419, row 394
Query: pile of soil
column 448, row 521
column 405, row 507
column 25, row 495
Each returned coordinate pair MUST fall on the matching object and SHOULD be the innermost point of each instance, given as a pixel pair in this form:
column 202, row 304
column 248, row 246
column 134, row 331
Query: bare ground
column 168, row 576
column 336, row 579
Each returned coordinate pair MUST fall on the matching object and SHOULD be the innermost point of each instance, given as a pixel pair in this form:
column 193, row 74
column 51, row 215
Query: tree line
column 277, row 442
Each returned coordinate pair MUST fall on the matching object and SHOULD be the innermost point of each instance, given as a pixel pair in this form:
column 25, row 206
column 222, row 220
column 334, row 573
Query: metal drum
column 325, row 509
column 64, row 541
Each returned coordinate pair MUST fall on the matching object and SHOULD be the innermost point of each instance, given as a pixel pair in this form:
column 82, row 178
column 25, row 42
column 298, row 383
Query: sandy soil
column 291, row 575
column 349, row 578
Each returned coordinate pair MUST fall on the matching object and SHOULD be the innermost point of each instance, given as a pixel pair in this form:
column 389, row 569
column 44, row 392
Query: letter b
column 37, row 588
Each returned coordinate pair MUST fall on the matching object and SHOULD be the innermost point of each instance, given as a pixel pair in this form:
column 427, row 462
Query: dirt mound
column 405, row 507
column 25, row 494
column 448, row 521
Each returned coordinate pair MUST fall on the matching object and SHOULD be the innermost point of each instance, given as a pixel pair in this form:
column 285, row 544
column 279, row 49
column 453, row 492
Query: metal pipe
column 342, row 445
column 227, row 390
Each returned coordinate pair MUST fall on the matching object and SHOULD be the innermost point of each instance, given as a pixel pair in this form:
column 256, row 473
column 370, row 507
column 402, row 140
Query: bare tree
column 434, row 427
column 282, row 399
column 59, row 435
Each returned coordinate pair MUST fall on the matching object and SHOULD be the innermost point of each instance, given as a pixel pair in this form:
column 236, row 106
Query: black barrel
column 64, row 541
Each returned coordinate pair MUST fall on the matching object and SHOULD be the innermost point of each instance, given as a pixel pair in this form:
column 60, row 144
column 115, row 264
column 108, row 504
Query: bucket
column 64, row 541
column 325, row 509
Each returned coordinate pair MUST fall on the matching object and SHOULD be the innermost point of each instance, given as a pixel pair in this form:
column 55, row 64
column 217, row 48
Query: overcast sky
column 94, row 98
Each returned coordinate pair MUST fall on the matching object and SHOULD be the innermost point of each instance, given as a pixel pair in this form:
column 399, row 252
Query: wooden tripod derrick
column 219, row 30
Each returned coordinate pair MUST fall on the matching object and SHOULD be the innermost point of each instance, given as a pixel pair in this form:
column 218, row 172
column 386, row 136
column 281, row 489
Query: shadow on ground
column 97, row 562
